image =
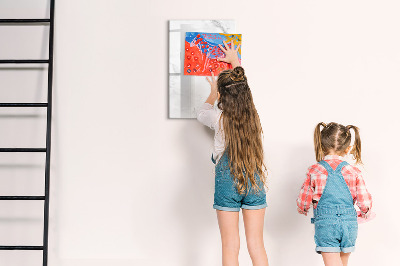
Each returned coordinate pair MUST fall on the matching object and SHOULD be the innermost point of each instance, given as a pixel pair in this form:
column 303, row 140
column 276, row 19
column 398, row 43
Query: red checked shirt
column 314, row 185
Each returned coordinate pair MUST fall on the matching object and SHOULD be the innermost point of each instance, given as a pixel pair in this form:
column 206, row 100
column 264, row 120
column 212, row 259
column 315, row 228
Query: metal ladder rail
column 47, row 149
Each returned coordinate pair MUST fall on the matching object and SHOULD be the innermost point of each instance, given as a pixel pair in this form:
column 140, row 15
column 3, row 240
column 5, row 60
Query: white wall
column 132, row 187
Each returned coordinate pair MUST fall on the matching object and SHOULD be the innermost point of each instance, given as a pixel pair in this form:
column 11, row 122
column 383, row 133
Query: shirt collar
column 334, row 157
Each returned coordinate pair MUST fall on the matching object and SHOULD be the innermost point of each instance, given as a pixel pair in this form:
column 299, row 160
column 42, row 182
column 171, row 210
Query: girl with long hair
column 240, row 172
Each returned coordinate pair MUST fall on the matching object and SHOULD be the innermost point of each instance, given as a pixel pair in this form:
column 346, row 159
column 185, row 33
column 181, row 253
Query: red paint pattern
column 197, row 63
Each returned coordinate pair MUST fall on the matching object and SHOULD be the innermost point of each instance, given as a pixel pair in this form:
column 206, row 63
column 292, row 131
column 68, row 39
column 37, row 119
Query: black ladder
column 47, row 105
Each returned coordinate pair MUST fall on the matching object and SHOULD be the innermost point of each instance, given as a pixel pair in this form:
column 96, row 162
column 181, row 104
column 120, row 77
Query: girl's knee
column 254, row 245
column 231, row 244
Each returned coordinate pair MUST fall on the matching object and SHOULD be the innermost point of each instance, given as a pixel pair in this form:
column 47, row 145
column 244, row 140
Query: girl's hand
column 231, row 54
column 301, row 211
column 213, row 83
column 214, row 89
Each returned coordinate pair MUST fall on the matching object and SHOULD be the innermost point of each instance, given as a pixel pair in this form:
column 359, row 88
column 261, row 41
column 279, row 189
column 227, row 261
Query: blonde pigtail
column 319, row 153
column 356, row 151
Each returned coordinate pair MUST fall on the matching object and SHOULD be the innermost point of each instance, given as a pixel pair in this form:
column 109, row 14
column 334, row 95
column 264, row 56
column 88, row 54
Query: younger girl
column 333, row 186
column 238, row 155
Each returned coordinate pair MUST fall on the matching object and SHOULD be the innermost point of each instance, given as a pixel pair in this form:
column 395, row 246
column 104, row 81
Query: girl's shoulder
column 351, row 169
column 211, row 107
column 316, row 168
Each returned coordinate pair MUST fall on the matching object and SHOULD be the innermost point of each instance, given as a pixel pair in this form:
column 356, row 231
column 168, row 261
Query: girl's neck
column 337, row 154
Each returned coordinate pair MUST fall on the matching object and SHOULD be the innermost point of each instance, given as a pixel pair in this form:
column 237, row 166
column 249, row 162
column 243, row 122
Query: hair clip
column 243, row 82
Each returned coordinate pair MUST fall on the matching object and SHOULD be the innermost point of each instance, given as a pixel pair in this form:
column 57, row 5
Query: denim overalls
column 335, row 217
column 226, row 195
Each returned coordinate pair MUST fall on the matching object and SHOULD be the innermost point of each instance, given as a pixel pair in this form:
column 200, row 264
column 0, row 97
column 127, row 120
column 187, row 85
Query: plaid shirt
column 314, row 185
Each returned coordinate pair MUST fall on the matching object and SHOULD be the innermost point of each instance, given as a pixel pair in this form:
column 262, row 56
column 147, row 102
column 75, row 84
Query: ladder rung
column 21, row 247
column 30, row 20
column 22, row 149
column 23, row 61
column 23, row 104
column 22, row 197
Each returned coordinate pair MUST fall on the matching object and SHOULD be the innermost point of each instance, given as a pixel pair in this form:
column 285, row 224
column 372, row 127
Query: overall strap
column 336, row 197
column 326, row 166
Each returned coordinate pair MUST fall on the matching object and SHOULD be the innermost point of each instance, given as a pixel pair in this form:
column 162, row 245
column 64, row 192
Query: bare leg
column 345, row 258
column 254, row 225
column 229, row 228
column 332, row 259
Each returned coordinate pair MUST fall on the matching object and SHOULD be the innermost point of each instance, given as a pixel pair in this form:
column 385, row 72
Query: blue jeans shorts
column 335, row 233
column 226, row 195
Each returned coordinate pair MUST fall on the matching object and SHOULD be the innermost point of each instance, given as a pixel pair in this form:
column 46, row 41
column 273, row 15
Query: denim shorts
column 335, row 232
column 226, row 195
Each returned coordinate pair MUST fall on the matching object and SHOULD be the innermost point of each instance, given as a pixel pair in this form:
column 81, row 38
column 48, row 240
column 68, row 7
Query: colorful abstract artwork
column 187, row 93
column 202, row 51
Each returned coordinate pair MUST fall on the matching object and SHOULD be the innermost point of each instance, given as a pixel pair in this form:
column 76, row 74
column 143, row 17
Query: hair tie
column 348, row 130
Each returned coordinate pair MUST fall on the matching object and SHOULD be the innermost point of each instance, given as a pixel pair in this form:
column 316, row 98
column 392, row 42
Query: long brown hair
column 336, row 137
column 242, row 129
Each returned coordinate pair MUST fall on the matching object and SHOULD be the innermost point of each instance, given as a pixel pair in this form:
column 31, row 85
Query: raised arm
column 207, row 115
column 231, row 57
column 214, row 90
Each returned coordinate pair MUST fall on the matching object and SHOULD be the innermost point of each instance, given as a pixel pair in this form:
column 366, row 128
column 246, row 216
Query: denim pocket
column 224, row 186
column 326, row 231
column 352, row 227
